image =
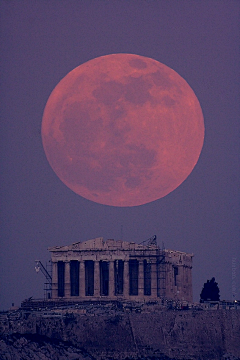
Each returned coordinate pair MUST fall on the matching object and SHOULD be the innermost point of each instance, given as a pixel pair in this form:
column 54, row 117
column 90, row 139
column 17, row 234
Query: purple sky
column 41, row 41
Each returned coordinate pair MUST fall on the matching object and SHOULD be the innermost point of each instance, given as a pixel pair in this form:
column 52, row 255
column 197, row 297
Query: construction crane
column 48, row 277
column 151, row 241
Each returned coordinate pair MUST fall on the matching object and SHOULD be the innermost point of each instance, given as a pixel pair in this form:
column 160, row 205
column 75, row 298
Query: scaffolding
column 161, row 273
column 160, row 263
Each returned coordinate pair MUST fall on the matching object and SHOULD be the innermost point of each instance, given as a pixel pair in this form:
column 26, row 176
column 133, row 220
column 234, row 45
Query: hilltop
column 97, row 331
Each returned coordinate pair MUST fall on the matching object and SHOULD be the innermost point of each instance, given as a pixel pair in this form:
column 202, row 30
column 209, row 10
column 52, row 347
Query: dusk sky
column 42, row 41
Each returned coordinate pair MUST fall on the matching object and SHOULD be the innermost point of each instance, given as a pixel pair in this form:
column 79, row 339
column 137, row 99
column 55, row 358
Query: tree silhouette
column 210, row 291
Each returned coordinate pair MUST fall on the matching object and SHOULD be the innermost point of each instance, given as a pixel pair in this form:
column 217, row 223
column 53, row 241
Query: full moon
column 122, row 130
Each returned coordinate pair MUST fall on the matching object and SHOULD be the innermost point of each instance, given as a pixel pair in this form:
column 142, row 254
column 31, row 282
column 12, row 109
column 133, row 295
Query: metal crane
column 151, row 241
column 48, row 277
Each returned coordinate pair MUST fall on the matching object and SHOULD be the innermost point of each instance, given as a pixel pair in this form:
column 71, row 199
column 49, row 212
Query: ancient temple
column 120, row 270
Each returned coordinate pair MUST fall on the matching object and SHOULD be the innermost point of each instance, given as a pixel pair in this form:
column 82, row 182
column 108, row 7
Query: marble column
column 96, row 279
column 140, row 278
column 154, row 279
column 54, row 280
column 179, row 282
column 82, row 291
column 67, row 280
column 126, row 280
column 190, row 292
column 111, row 285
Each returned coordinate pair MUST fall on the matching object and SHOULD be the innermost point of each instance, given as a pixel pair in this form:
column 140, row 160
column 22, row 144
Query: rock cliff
column 117, row 334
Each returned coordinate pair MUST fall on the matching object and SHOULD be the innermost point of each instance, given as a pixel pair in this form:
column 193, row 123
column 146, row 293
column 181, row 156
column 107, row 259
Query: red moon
column 122, row 130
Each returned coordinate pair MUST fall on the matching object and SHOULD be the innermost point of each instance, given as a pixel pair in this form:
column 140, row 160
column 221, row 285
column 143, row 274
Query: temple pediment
column 100, row 244
column 96, row 243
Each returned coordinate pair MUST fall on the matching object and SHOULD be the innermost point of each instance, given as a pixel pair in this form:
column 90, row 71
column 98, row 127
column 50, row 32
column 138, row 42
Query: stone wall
column 107, row 332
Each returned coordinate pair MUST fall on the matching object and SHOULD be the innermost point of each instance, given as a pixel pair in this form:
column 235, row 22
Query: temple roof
column 100, row 244
column 110, row 244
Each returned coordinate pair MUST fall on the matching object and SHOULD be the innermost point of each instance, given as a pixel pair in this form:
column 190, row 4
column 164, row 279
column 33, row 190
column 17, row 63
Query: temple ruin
column 120, row 270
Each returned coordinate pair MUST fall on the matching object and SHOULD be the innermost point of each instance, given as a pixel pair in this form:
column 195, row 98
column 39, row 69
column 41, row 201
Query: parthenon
column 120, row 270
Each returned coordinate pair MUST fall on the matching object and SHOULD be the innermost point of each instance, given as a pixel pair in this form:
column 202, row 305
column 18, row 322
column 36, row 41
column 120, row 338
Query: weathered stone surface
column 21, row 347
column 115, row 334
column 169, row 273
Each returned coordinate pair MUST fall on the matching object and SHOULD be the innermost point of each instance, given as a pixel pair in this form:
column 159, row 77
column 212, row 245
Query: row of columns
column 111, row 281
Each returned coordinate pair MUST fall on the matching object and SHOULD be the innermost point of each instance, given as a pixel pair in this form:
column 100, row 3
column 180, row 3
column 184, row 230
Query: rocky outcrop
column 35, row 347
column 117, row 334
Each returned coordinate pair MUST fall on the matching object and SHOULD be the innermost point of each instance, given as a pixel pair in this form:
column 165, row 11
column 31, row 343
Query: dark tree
column 210, row 291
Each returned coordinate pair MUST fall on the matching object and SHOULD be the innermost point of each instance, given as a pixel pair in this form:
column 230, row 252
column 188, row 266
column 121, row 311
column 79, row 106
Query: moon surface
column 122, row 130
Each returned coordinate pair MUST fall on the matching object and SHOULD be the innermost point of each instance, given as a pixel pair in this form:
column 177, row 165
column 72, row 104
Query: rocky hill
column 109, row 332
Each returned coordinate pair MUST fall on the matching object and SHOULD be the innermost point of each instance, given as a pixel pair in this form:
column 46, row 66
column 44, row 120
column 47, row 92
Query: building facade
column 120, row 270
